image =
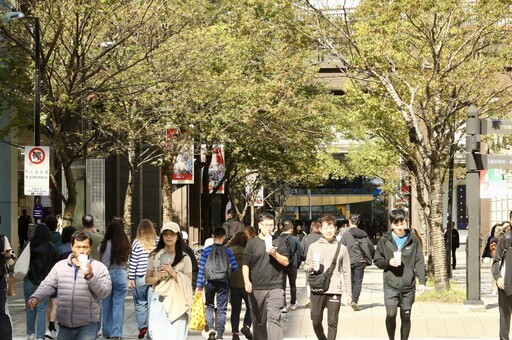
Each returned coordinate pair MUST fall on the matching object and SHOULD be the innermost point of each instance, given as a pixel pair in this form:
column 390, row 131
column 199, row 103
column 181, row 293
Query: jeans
column 266, row 306
column 290, row 272
column 236, row 297
column 140, row 300
column 357, row 270
column 221, row 289
column 85, row 332
column 38, row 313
column 113, row 304
column 5, row 320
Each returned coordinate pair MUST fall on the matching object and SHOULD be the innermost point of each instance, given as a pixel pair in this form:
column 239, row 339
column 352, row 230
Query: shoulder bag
column 22, row 264
column 320, row 283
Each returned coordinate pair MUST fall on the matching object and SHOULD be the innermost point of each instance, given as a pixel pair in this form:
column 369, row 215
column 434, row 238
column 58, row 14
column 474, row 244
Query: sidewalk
column 429, row 320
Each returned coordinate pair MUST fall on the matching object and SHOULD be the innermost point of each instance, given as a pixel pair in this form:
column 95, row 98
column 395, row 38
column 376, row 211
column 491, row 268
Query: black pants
column 5, row 320
column 318, row 303
column 290, row 272
column 454, row 258
column 236, row 296
column 357, row 270
column 505, row 307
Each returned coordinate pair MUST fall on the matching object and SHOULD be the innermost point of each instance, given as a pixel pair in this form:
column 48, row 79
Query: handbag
column 198, row 318
column 319, row 283
column 11, row 286
column 22, row 264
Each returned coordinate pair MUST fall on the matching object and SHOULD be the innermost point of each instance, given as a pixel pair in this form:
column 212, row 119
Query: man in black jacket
column 399, row 254
column 361, row 251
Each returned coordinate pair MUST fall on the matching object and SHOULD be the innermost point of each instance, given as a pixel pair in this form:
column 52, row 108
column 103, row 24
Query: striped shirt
column 204, row 256
column 138, row 260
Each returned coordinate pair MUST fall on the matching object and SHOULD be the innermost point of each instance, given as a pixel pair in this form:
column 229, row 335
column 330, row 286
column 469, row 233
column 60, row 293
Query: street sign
column 37, row 212
column 37, row 171
column 495, row 126
column 497, row 161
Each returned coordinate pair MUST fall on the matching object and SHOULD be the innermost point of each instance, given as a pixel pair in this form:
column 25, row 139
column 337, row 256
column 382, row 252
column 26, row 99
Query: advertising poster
column 183, row 170
column 217, row 167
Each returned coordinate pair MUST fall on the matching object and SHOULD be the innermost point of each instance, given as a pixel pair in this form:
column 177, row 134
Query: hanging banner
column 37, row 171
column 217, row 167
column 183, row 169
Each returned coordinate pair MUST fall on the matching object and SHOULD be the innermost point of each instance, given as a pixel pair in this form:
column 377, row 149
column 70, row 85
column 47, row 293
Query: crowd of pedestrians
column 238, row 265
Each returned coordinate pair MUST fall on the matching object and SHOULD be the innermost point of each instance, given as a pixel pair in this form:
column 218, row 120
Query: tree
column 80, row 43
column 412, row 69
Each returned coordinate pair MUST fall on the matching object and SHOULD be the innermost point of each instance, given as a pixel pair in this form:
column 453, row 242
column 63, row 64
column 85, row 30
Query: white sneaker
column 284, row 310
column 50, row 334
column 294, row 306
column 31, row 337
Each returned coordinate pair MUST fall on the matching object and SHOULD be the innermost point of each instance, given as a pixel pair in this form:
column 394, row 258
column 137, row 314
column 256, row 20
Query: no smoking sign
column 37, row 171
column 36, row 156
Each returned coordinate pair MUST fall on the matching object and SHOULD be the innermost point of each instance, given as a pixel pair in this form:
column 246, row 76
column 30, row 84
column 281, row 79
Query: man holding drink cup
column 262, row 269
column 400, row 255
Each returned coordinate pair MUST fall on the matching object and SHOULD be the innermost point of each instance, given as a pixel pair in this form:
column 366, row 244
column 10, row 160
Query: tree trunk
column 128, row 199
column 70, row 203
column 167, row 192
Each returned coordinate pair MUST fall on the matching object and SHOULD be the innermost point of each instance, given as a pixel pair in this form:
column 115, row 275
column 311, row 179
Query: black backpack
column 217, row 267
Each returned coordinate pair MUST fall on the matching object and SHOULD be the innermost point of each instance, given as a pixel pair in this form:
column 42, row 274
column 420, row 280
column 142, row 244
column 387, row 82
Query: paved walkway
column 429, row 320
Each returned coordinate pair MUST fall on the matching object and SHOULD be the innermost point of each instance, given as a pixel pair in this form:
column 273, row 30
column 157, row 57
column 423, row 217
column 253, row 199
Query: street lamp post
column 37, row 77
column 37, row 72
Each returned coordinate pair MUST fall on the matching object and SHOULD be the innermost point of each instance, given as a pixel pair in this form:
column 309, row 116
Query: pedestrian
column 309, row 239
column 65, row 249
column 78, row 314
column 232, row 225
column 237, row 292
column 398, row 253
column 144, row 243
column 318, row 259
column 6, row 259
column 223, row 264
column 290, row 271
column 51, row 311
column 43, row 257
column 190, row 252
column 361, row 251
column 504, row 300
column 170, row 274
column 250, row 232
column 262, row 269
column 24, row 220
column 114, row 251
column 88, row 226
column 299, row 232
column 455, row 243
column 490, row 244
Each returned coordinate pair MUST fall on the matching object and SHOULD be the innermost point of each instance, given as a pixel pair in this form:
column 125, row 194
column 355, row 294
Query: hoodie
column 360, row 247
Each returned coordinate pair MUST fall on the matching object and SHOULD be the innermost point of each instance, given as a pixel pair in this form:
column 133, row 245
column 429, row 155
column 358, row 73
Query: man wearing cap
column 290, row 271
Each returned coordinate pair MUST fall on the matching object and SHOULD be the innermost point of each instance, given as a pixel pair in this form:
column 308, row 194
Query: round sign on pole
column 36, row 155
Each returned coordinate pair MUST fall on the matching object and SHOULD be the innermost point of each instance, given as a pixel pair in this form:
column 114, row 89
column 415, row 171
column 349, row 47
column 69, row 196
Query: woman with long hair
column 170, row 274
column 43, row 257
column 145, row 241
column 237, row 289
column 114, row 251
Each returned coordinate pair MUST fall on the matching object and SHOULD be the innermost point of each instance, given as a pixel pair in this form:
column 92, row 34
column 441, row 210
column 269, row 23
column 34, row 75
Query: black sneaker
column 247, row 332
column 235, row 336
column 212, row 335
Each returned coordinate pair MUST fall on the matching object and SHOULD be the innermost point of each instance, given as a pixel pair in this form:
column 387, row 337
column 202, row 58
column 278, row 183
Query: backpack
column 217, row 267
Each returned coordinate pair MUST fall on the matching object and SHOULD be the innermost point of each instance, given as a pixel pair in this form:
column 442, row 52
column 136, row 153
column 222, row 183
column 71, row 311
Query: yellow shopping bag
column 198, row 318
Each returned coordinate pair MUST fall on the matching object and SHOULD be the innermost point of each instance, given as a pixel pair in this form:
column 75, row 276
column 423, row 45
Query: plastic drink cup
column 268, row 242
column 83, row 259
column 398, row 256
column 165, row 258
column 316, row 260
